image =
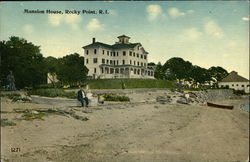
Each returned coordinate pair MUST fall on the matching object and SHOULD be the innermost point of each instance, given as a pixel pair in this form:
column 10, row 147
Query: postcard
column 124, row 81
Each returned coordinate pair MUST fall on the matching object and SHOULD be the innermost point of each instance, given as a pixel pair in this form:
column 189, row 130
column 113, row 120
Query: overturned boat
column 220, row 106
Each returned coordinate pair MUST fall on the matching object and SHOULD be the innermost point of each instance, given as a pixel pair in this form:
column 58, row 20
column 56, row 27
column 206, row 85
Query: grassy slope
column 129, row 83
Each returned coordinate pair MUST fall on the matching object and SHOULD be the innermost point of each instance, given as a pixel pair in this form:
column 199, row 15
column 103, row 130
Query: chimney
column 93, row 40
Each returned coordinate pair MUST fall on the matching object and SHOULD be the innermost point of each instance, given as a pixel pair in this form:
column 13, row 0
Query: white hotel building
column 120, row 60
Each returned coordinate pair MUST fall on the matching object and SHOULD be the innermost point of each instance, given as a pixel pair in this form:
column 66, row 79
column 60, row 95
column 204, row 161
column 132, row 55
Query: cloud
column 71, row 20
column 95, row 25
column 191, row 34
column 245, row 18
column 213, row 29
column 190, row 11
column 175, row 12
column 55, row 20
column 28, row 29
column 154, row 11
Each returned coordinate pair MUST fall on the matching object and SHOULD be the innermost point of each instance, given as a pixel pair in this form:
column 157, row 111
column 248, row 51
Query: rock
column 182, row 100
column 163, row 99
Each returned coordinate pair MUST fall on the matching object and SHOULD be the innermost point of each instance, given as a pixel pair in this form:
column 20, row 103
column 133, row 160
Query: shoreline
column 125, row 132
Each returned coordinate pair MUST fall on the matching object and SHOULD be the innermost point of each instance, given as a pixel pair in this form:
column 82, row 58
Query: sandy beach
column 128, row 132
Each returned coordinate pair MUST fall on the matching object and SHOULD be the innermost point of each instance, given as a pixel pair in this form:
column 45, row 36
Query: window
column 111, row 62
column 108, row 53
column 137, row 55
column 94, row 70
column 141, row 64
column 123, row 62
column 138, row 63
column 134, row 63
column 117, row 62
column 102, row 51
column 87, row 52
column 124, row 53
column 94, row 51
column 145, row 57
column 130, row 62
column 130, row 53
column 141, row 56
column 134, row 54
column 237, row 85
column 102, row 70
column 107, row 61
column 145, row 64
column 232, row 85
column 138, row 47
column 248, row 85
column 95, row 60
column 111, row 71
column 103, row 61
column 242, row 85
column 87, row 61
column 111, row 53
column 117, row 53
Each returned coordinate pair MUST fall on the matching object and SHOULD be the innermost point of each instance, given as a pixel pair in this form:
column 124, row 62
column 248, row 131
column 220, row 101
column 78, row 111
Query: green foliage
column 24, row 60
column 71, row 69
column 111, row 97
column 178, row 68
column 239, row 92
column 159, row 72
column 129, row 83
column 53, row 93
column 217, row 73
column 200, row 75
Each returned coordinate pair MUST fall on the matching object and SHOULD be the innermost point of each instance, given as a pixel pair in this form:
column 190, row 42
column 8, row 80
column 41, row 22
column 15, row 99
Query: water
column 245, row 107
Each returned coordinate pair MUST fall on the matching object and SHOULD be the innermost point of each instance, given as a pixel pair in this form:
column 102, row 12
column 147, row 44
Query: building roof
column 121, row 36
column 234, row 77
column 97, row 44
column 114, row 46
column 124, row 45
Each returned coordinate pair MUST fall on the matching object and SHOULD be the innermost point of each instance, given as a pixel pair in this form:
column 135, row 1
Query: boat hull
column 220, row 106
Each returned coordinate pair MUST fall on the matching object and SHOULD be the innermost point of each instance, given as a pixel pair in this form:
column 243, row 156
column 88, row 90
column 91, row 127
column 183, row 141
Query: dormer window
column 94, row 51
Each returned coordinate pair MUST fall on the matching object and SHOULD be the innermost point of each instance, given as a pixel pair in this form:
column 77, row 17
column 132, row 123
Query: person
column 81, row 96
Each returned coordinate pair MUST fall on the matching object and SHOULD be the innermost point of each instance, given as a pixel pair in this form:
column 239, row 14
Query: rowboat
column 220, row 106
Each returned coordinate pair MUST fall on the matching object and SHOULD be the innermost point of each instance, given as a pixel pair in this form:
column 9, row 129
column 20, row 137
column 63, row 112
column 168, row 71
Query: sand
column 129, row 132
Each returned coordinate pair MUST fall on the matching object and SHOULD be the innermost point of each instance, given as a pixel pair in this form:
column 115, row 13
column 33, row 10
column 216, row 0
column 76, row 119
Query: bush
column 239, row 92
column 52, row 93
column 111, row 97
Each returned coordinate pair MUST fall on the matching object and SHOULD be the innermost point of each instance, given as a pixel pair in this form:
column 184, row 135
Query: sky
column 206, row 33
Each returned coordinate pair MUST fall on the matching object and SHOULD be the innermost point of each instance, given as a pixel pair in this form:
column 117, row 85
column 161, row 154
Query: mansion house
column 120, row 60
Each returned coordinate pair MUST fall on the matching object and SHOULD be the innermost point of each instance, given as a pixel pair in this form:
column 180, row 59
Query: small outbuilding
column 235, row 81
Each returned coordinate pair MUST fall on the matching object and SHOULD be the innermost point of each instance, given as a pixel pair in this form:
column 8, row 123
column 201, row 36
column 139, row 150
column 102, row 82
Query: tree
column 217, row 73
column 159, row 73
column 151, row 64
column 71, row 69
column 200, row 75
column 51, row 64
column 178, row 68
column 25, row 61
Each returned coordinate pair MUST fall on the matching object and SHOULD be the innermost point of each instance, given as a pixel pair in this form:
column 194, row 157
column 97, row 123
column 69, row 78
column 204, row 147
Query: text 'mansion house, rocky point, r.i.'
column 120, row 60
